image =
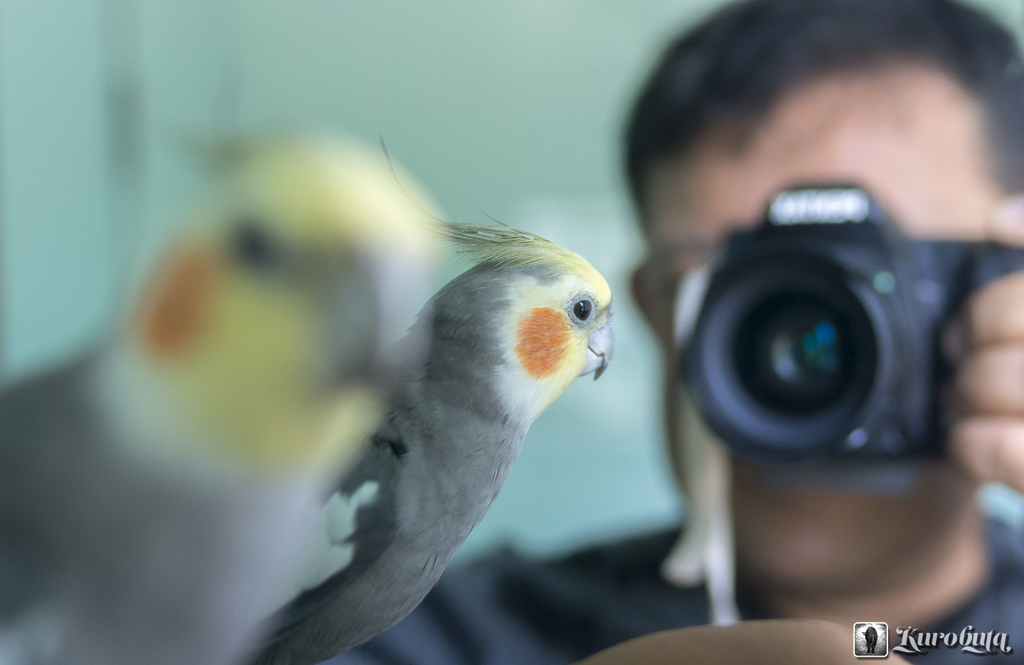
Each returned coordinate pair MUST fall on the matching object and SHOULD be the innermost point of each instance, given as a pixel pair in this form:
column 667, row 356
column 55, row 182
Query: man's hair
column 728, row 71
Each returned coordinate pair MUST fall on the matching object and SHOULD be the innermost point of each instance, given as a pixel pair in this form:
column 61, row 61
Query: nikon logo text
column 819, row 206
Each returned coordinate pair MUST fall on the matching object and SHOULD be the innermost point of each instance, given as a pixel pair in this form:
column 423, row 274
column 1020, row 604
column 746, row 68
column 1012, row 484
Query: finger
column 1006, row 225
column 990, row 381
column 995, row 313
column 990, row 449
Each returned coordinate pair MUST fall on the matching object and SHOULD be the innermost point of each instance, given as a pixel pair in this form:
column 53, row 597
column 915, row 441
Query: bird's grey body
column 116, row 559
column 440, row 459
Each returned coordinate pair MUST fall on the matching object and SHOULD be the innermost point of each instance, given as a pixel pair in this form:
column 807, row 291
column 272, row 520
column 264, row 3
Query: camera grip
column 990, row 261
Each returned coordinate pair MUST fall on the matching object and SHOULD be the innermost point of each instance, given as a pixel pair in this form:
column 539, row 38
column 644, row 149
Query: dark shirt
column 510, row 610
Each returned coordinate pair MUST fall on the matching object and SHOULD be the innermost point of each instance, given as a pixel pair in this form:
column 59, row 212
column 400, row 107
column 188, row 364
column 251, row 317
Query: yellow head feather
column 492, row 247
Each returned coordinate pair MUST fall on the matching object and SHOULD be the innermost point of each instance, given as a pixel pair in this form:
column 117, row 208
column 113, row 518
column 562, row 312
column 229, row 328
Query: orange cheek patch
column 543, row 337
column 174, row 308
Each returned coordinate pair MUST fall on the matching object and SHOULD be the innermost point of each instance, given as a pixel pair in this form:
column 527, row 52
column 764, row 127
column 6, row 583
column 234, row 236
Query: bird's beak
column 600, row 348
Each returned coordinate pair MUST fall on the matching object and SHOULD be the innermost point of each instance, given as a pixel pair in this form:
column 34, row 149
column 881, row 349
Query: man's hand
column 763, row 642
column 987, row 345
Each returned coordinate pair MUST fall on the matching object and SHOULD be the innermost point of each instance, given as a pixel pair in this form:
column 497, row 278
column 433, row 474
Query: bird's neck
column 474, row 438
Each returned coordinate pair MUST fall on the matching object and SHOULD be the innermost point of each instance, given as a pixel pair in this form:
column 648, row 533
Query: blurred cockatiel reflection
column 154, row 493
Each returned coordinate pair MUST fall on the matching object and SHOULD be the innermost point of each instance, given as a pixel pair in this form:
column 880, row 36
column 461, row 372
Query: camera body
column 818, row 335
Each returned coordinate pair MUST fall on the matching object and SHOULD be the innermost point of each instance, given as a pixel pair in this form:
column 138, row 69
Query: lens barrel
column 788, row 354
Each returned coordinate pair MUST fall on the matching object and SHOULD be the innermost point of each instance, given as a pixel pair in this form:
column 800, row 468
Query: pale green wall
column 513, row 108
column 54, row 188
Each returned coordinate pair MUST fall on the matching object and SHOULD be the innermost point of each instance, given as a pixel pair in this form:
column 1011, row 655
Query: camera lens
column 785, row 354
column 794, row 354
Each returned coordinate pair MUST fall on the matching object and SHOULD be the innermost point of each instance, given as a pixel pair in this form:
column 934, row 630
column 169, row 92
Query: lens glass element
column 795, row 353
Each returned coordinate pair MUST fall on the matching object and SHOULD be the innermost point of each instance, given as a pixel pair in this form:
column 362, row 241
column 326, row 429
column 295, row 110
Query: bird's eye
column 255, row 248
column 582, row 309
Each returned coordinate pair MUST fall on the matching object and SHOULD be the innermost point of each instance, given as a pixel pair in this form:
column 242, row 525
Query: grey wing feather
column 21, row 582
column 374, row 526
column 47, row 432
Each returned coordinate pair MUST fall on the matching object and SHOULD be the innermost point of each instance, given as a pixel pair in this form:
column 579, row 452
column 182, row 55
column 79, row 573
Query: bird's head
column 553, row 323
column 261, row 325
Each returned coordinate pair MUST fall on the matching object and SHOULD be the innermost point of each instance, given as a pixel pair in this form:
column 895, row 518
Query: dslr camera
column 818, row 334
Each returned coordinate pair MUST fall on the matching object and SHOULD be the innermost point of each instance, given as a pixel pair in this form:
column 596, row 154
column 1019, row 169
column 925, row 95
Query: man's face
column 916, row 141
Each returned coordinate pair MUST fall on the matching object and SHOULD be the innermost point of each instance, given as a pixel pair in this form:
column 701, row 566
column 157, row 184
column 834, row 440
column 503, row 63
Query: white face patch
column 335, row 524
column 525, row 397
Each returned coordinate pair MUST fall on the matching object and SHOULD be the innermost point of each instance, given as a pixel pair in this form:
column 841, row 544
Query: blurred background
column 513, row 108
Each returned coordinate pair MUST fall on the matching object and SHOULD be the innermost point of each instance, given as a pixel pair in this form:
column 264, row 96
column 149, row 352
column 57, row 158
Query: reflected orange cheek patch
column 175, row 307
column 541, row 341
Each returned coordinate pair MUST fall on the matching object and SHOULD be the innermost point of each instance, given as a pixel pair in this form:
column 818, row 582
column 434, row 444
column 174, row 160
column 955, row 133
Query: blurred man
column 922, row 103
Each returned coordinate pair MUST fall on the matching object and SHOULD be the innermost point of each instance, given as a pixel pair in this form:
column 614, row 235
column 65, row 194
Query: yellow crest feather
column 504, row 247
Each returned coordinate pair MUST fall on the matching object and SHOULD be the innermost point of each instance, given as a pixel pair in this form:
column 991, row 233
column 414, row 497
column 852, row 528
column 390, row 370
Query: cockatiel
column 152, row 492
column 506, row 338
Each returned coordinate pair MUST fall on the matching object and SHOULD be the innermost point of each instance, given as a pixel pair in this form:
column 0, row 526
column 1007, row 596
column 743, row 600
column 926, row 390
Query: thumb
column 1007, row 222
